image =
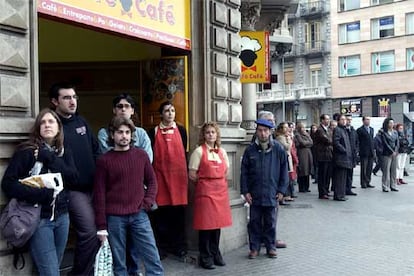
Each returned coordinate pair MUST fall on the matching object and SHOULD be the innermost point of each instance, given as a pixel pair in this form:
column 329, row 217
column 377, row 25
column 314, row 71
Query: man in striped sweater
column 121, row 202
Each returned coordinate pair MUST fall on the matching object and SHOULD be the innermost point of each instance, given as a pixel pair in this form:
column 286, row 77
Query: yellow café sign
column 255, row 63
column 162, row 21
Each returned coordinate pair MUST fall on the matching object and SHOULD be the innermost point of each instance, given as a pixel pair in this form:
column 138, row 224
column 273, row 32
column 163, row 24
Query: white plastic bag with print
column 103, row 261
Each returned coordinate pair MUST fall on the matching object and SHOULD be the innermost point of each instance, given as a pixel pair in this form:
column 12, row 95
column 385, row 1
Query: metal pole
column 283, row 88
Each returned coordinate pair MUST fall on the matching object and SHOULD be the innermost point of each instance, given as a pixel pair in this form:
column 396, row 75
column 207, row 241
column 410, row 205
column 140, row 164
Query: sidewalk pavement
column 370, row 234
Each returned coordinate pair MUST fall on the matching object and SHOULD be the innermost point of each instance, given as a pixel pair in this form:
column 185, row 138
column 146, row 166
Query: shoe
column 370, row 186
column 374, row 173
column 289, row 198
column 283, row 203
column 340, row 199
column 308, row 191
column 402, row 181
column 394, row 190
column 353, row 187
column 324, row 197
column 280, row 244
column 253, row 254
column 351, row 193
column 294, row 196
column 364, row 187
column 385, row 190
column 181, row 253
column 207, row 266
column 219, row 262
column 272, row 254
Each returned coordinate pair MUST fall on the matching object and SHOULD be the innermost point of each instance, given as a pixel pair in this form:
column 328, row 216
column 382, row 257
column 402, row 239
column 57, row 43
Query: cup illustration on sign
column 248, row 54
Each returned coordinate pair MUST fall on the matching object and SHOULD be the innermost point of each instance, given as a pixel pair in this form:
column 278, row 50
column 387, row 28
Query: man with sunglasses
column 84, row 146
column 124, row 106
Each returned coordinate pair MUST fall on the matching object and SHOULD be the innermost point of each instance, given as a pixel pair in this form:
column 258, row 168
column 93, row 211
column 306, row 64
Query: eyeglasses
column 120, row 106
column 68, row 98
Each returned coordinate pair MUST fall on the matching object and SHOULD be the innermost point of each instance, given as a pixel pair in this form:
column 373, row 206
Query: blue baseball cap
column 266, row 123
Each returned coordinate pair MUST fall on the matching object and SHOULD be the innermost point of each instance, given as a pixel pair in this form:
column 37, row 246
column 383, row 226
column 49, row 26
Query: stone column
column 250, row 12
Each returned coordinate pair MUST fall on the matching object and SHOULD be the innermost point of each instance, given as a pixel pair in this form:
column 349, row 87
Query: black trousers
column 208, row 246
column 339, row 179
column 168, row 224
column 303, row 183
column 378, row 164
column 324, row 177
column 349, row 179
column 366, row 171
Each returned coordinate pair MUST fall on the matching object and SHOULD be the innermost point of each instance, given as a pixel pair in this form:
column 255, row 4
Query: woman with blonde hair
column 208, row 170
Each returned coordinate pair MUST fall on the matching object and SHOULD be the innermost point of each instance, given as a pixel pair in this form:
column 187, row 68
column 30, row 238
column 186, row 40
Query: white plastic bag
column 103, row 261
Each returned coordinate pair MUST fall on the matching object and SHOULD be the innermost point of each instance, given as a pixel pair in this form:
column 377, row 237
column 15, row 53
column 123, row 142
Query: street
column 370, row 234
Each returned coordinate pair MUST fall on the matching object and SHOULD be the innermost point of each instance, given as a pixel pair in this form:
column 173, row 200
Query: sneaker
column 253, row 254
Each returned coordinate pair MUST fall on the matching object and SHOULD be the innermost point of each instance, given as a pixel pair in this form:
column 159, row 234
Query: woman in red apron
column 208, row 168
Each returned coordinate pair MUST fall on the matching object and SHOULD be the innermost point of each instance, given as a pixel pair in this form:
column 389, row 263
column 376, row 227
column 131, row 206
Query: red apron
column 170, row 168
column 211, row 198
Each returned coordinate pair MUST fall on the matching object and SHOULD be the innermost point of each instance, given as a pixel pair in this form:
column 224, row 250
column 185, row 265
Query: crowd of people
column 130, row 187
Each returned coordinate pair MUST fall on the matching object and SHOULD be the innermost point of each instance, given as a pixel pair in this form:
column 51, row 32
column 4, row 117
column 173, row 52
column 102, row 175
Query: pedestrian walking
column 263, row 182
column 208, row 170
column 45, row 148
column 80, row 140
column 124, row 191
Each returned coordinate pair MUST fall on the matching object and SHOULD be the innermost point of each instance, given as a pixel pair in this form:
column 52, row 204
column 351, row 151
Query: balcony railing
column 313, row 8
column 291, row 94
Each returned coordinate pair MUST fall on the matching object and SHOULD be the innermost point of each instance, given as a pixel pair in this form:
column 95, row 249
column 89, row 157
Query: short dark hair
column 56, row 87
column 116, row 123
column 164, row 104
column 364, row 117
column 322, row 117
column 123, row 96
column 340, row 116
column 335, row 116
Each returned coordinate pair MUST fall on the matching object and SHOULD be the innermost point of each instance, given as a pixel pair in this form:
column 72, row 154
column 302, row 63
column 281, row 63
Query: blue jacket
column 264, row 173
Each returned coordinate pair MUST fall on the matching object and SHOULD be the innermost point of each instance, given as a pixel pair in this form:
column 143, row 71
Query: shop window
column 349, row 66
column 410, row 59
column 380, row 2
column 346, row 5
column 382, row 27
column 382, row 62
column 409, row 23
column 349, row 32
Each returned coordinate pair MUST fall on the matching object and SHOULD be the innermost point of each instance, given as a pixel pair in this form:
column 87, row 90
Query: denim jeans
column 142, row 240
column 48, row 243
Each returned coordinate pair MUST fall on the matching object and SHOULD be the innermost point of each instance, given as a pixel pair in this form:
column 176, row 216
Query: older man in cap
column 264, row 180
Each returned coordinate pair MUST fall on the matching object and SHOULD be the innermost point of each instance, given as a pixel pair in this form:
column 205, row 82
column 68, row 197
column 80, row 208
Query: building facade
column 304, row 87
column 372, row 56
column 39, row 47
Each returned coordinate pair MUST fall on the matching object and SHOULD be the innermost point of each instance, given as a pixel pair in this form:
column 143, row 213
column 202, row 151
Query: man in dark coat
column 263, row 181
column 323, row 150
column 342, row 157
column 353, row 139
column 366, row 151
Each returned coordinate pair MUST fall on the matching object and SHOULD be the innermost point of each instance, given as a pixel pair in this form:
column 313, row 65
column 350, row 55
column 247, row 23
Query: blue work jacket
column 264, row 173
